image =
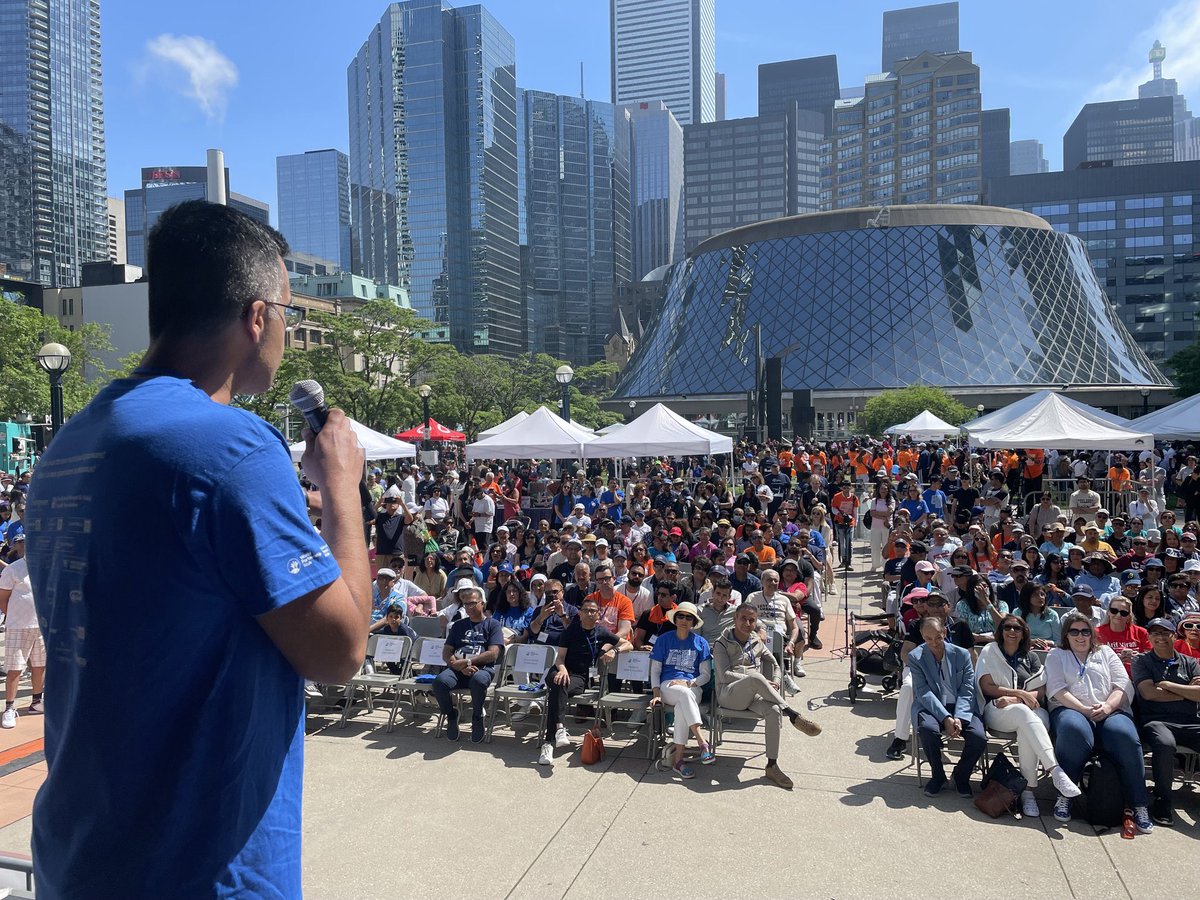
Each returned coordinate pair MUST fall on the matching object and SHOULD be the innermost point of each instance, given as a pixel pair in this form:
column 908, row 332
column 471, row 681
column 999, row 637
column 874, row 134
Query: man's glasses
column 291, row 315
column 554, row 593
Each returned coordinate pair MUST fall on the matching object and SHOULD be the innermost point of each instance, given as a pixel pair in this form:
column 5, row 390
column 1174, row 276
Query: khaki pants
column 754, row 693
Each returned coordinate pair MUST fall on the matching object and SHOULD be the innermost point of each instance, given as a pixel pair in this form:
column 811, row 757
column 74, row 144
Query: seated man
column 580, row 648
column 944, row 703
column 748, row 678
column 717, row 608
column 1168, row 686
column 472, row 647
column 551, row 617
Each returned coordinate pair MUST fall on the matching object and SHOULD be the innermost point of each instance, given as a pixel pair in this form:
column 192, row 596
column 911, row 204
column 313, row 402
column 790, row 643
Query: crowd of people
column 996, row 567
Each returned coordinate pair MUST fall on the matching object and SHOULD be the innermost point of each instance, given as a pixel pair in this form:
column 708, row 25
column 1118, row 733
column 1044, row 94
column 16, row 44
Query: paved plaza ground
column 405, row 815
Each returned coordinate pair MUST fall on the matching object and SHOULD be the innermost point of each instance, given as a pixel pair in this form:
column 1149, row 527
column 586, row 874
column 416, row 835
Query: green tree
column 1186, row 366
column 893, row 407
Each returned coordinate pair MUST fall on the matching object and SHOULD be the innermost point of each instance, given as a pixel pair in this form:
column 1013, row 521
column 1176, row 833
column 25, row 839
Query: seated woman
column 513, row 611
column 432, row 581
column 1119, row 632
column 1148, row 604
column 1039, row 617
column 1188, row 633
column 1056, row 580
column 679, row 669
column 1012, row 683
column 1090, row 695
column 980, row 610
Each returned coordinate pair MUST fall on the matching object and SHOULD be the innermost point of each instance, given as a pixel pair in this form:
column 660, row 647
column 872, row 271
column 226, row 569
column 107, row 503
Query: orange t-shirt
column 618, row 609
column 766, row 555
column 1035, row 463
column 1119, row 478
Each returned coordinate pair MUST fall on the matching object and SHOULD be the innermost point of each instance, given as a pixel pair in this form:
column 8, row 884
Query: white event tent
column 1178, row 421
column 1019, row 409
column 658, row 431
column 543, row 435
column 376, row 445
column 1056, row 422
column 924, row 426
column 503, row 426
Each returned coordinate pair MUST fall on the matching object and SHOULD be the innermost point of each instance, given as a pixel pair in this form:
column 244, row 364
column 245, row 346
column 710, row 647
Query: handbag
column 1001, row 788
column 867, row 519
column 593, row 746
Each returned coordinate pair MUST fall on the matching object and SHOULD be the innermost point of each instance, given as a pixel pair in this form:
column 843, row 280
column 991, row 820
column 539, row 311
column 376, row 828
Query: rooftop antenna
column 581, row 97
column 1157, row 54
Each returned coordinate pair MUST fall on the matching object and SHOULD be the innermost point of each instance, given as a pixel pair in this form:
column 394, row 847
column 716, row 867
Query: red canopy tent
column 437, row 432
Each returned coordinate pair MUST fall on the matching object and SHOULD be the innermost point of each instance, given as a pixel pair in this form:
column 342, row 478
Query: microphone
column 309, row 397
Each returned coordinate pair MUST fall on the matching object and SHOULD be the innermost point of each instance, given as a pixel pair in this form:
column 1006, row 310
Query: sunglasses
column 1012, row 628
column 1119, row 612
column 1189, row 626
column 1079, row 632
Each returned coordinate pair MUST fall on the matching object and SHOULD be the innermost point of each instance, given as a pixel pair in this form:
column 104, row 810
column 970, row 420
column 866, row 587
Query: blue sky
column 260, row 78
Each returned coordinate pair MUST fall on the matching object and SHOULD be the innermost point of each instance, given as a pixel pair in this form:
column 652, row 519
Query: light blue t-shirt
column 160, row 524
column 680, row 659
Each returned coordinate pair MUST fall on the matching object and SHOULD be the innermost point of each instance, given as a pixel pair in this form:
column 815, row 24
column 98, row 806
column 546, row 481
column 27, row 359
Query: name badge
column 542, row 637
column 593, row 672
column 653, row 638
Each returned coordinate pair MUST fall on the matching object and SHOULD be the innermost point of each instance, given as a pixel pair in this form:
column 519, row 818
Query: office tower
column 116, row 230
column 997, row 134
column 1121, row 133
column 774, row 171
column 1187, row 127
column 433, row 169
column 720, row 97
column 665, row 50
column 810, row 83
column 163, row 187
column 1027, row 158
column 915, row 136
column 314, row 204
column 919, row 29
column 53, row 208
column 573, row 178
column 1141, row 228
column 655, row 186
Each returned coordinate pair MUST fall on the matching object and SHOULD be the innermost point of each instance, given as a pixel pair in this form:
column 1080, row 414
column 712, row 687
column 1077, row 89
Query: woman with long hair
column 430, row 578
column 1057, row 581
column 980, row 609
column 982, row 553
column 1148, row 604
column 881, row 506
column 1041, row 620
column 1032, row 556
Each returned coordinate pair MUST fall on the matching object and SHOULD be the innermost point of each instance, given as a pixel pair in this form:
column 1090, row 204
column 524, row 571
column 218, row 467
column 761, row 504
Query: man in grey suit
column 944, row 704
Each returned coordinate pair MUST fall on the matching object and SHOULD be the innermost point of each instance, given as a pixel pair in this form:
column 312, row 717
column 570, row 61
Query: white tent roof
column 543, row 435
column 609, row 429
column 1055, row 422
column 1017, row 410
column 376, row 445
column 1175, row 422
column 658, row 431
column 924, row 426
column 503, row 426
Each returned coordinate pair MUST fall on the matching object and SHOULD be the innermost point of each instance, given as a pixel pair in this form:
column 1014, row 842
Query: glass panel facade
column 314, row 204
column 868, row 309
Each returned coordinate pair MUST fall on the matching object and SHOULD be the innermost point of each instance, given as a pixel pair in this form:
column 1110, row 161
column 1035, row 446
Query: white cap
column 603, row 542
column 538, row 578
column 393, row 491
column 389, row 573
column 1192, row 565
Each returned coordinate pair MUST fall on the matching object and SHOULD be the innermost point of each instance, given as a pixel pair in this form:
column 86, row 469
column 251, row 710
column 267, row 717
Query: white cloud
column 211, row 74
column 1179, row 29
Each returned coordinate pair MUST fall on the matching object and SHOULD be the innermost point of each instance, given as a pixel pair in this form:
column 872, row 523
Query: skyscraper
column 433, row 169
column 1121, row 133
column 53, row 206
column 720, row 97
column 909, row 32
column 1187, row 127
column 163, row 187
column 665, row 50
column 1027, row 158
column 573, row 182
column 655, row 186
column 810, row 83
column 997, row 134
column 314, row 203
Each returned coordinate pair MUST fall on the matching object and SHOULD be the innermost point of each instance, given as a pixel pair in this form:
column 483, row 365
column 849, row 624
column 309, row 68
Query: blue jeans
column 929, row 730
column 448, row 680
column 1075, row 736
column 843, row 535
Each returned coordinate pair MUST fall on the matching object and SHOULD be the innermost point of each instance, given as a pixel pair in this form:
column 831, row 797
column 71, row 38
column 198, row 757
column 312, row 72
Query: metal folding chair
column 369, row 681
column 633, row 665
column 426, row 626
column 424, row 651
column 521, row 659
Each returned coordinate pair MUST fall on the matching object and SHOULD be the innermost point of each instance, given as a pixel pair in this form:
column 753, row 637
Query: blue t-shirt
column 935, row 501
column 467, row 638
column 916, row 509
column 160, row 525
column 680, row 659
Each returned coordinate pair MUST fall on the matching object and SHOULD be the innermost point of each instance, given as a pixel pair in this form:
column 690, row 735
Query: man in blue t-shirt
column 184, row 595
column 471, row 651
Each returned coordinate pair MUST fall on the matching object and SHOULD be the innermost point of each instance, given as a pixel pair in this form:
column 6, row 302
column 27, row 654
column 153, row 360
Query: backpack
column 1104, row 806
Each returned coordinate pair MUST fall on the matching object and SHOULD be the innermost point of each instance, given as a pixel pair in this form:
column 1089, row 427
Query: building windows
column 1152, row 240
column 1144, row 203
column 1097, row 206
column 1051, row 209
column 1096, row 225
column 1181, row 239
column 1182, row 220
column 1144, row 222
column 1181, row 200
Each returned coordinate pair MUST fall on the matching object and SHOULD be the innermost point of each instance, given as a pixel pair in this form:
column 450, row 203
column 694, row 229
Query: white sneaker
column 546, row 757
column 534, row 708
column 1063, row 784
column 789, row 686
column 798, row 667
column 1029, row 805
column 9, row 719
column 561, row 738
column 519, row 713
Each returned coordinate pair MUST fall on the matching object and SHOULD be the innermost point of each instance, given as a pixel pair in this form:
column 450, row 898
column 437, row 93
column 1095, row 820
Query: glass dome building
column 979, row 300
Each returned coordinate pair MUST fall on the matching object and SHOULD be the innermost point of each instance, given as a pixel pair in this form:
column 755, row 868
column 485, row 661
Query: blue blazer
column 939, row 696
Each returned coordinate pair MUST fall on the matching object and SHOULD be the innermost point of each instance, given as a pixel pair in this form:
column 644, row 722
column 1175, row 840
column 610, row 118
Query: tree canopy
column 893, row 407
column 1186, row 366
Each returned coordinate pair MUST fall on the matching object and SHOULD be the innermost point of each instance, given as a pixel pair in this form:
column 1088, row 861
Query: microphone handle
column 316, row 417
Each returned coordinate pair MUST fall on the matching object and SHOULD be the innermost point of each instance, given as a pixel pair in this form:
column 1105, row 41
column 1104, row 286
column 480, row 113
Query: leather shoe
column 777, row 776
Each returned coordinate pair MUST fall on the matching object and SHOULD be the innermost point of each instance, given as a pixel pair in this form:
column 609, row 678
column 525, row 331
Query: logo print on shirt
column 294, row 566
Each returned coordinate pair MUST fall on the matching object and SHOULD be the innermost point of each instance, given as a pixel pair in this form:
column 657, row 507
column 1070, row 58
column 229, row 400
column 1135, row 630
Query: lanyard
column 748, row 651
column 591, row 640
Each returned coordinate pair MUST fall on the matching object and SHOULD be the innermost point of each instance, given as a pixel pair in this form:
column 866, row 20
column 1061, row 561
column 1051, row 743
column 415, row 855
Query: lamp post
column 425, row 390
column 55, row 359
column 979, row 410
column 1145, row 400
column 563, row 375
column 632, row 407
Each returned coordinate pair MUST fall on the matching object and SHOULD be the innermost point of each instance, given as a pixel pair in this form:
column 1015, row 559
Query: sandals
column 707, row 757
column 684, row 772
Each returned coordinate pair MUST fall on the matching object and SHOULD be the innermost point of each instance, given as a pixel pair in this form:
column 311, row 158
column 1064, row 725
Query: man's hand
column 561, row 677
column 332, row 459
column 953, row 726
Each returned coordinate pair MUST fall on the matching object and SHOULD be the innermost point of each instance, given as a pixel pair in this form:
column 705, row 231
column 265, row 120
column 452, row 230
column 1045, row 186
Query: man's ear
column 254, row 320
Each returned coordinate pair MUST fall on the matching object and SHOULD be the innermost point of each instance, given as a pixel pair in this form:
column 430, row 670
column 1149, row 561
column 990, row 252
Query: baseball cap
column 926, row 566
column 386, row 572
column 505, row 567
column 1083, row 590
column 959, row 571
column 918, row 547
column 1192, row 565
column 742, row 558
column 676, row 532
column 1133, row 576
column 539, row 577
column 1019, row 563
column 603, row 542
column 1160, row 622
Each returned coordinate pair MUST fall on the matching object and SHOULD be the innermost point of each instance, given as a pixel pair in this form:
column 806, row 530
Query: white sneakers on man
column 546, row 757
column 561, row 738
column 9, row 719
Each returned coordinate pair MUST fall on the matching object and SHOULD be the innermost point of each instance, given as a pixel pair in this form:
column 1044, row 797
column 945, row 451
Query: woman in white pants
column 679, row 669
column 1012, row 682
column 881, row 506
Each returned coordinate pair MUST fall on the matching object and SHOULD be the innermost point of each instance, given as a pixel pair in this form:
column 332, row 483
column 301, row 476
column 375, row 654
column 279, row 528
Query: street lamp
column 425, row 390
column 55, row 359
column 979, row 410
column 1145, row 400
column 563, row 375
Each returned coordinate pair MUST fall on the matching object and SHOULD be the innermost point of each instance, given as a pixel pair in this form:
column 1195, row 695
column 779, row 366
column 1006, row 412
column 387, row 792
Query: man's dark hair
column 207, row 263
